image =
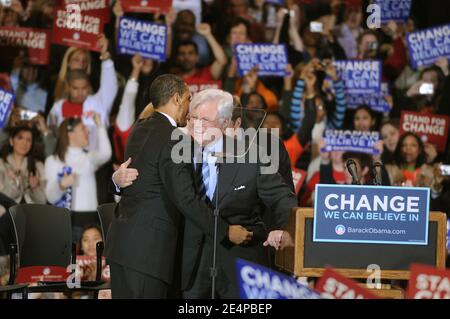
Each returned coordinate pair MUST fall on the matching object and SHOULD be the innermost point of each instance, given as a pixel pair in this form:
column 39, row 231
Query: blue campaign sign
column 146, row 38
column 360, row 76
column 370, row 214
column 351, row 141
column 272, row 59
column 394, row 10
column 277, row 2
column 426, row 46
column 377, row 102
column 6, row 102
column 448, row 236
column 258, row 282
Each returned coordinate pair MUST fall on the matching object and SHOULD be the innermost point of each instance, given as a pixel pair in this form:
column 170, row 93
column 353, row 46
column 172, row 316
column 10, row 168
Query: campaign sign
column 394, row 10
column 198, row 86
column 6, row 102
column 426, row 46
column 332, row 285
column 351, row 141
column 147, row 6
column 94, row 7
column 146, row 38
column 377, row 102
column 298, row 177
column 360, row 76
column 371, row 214
column 277, row 2
column 35, row 274
column 427, row 282
column 270, row 58
column 432, row 129
column 258, row 282
column 36, row 41
column 78, row 29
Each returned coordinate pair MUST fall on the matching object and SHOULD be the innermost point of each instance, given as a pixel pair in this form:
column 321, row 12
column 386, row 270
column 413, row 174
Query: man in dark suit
column 142, row 240
column 240, row 188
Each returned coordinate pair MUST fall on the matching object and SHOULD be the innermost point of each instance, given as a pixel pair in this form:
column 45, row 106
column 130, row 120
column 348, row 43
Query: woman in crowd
column 410, row 166
column 390, row 133
column 21, row 175
column 70, row 172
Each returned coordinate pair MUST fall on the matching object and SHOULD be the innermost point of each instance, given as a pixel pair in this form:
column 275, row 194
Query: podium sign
column 374, row 215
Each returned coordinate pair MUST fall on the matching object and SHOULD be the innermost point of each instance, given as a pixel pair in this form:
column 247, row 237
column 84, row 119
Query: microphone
column 352, row 169
column 376, row 170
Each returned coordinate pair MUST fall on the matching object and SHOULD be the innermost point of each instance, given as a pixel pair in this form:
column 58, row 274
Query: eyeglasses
column 203, row 120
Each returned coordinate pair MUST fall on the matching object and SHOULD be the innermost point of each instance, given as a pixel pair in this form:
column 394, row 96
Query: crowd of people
column 70, row 121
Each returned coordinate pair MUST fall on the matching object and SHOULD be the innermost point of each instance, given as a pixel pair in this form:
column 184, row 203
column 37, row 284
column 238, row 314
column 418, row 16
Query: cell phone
column 445, row 170
column 316, row 27
column 26, row 115
column 373, row 46
column 426, row 89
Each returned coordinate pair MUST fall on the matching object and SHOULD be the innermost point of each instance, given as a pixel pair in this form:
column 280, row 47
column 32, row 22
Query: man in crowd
column 238, row 189
column 142, row 239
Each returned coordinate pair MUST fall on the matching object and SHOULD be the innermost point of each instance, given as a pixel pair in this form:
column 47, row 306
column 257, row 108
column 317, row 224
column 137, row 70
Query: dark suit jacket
column 243, row 192
column 143, row 234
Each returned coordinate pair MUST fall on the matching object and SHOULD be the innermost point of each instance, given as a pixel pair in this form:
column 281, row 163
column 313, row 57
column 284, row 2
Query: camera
column 316, row 27
column 426, row 89
column 445, row 170
column 26, row 115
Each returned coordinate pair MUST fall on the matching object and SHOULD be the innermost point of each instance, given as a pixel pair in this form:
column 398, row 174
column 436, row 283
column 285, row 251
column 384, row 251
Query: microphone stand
column 213, row 269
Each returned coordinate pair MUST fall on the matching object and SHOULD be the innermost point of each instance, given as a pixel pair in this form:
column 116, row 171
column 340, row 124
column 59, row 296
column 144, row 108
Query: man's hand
column 125, row 176
column 238, row 235
column 279, row 239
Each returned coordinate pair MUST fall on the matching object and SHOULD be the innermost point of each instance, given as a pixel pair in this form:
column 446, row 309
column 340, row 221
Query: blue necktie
column 203, row 179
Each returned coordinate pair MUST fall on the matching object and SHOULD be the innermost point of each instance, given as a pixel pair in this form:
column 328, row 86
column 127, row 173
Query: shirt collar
column 171, row 120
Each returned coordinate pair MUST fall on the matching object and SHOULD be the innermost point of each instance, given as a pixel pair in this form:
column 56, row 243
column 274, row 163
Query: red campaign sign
column 432, row 129
column 427, row 282
column 85, row 261
column 73, row 28
column 197, row 86
column 298, row 176
column 147, row 6
column 333, row 285
column 34, row 274
column 99, row 8
column 36, row 41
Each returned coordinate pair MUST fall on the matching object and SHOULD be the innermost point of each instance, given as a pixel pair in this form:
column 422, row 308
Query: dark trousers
column 127, row 283
column 202, row 284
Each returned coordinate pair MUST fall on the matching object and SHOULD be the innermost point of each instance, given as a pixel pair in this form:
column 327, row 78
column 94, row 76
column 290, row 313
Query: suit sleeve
column 277, row 195
column 177, row 180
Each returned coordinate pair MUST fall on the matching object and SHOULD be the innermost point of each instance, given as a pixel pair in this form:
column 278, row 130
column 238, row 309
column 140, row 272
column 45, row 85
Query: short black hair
column 187, row 43
column 238, row 21
column 164, row 87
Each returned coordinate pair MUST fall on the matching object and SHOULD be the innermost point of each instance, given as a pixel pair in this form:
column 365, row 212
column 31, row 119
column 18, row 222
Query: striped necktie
column 203, row 178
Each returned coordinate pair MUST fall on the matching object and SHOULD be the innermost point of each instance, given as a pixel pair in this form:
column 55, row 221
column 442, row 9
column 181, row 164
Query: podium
column 309, row 259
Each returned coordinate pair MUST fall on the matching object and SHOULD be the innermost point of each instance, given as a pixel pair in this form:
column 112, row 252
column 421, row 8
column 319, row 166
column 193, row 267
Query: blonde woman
column 74, row 59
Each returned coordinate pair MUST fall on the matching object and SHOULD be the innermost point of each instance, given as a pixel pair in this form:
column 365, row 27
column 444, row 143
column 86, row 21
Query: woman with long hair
column 21, row 175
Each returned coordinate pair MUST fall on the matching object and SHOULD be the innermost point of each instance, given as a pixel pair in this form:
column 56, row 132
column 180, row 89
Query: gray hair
column 224, row 101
